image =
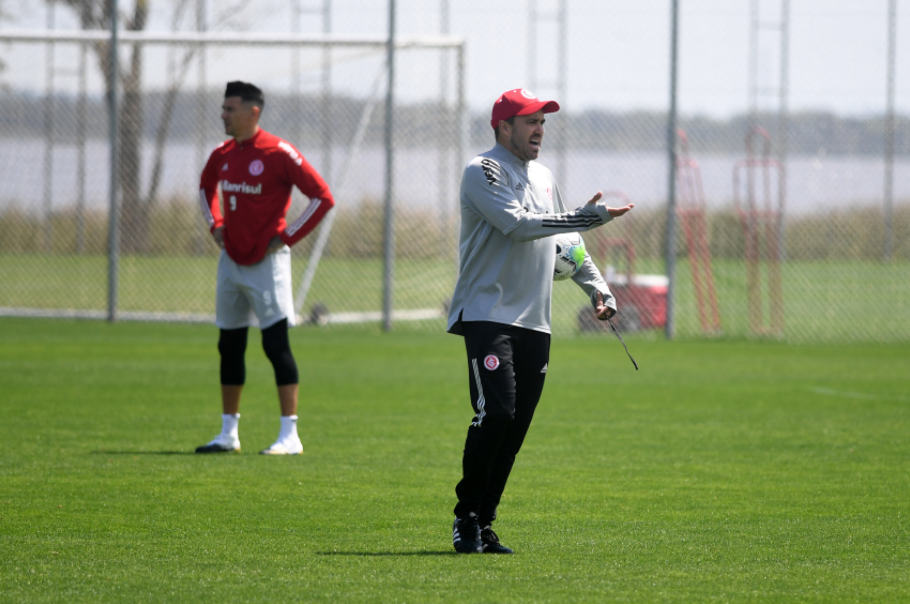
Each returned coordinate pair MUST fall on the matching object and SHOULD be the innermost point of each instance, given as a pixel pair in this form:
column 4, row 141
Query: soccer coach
column 256, row 172
column 510, row 206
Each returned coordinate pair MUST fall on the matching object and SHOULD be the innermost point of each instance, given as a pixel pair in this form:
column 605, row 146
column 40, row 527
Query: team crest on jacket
column 550, row 193
column 256, row 167
column 491, row 362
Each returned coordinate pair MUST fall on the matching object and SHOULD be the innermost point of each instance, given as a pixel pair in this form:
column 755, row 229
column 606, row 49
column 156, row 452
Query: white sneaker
column 221, row 444
column 284, row 447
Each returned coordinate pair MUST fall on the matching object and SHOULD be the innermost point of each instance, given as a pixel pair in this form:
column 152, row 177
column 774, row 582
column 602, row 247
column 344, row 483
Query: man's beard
column 522, row 147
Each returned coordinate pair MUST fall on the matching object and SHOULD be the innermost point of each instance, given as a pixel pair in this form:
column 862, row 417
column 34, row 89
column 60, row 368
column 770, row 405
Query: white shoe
column 284, row 447
column 221, row 444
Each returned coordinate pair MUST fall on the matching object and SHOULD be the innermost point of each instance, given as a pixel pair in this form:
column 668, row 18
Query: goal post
column 325, row 229
column 167, row 260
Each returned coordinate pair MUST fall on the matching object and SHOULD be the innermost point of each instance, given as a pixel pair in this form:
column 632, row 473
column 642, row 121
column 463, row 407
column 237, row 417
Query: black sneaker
column 490, row 543
column 466, row 535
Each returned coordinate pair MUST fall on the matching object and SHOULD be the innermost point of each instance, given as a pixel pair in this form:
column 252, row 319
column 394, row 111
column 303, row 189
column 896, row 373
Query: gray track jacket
column 509, row 211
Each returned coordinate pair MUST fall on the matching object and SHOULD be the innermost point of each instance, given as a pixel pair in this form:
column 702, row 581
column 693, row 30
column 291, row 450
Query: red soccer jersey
column 256, row 177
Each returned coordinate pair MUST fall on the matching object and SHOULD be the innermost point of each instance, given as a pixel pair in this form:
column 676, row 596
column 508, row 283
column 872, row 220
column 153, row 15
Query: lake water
column 815, row 184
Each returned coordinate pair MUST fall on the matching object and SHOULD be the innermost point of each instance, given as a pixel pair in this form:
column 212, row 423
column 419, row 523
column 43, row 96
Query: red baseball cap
column 519, row 102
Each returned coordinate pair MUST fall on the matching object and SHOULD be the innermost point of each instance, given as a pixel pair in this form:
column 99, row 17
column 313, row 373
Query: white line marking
column 865, row 396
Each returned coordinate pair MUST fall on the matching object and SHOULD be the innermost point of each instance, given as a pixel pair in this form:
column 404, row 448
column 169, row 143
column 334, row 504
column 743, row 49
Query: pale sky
column 618, row 50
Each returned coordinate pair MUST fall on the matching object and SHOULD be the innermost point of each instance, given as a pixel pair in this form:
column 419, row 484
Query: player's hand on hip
column 218, row 236
column 601, row 310
column 614, row 212
column 275, row 244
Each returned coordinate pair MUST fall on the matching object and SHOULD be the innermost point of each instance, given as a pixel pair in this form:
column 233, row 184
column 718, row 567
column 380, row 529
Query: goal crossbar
column 232, row 38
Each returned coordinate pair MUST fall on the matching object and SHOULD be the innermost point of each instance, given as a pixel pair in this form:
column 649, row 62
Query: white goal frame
column 287, row 41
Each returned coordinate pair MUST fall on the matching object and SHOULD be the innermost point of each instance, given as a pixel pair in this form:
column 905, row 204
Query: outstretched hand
column 614, row 212
column 601, row 311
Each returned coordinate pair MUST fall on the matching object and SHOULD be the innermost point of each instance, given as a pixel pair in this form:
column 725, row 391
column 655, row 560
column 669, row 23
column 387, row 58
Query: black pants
column 507, row 366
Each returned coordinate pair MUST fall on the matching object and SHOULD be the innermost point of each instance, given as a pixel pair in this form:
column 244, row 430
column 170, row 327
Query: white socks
column 288, row 432
column 288, row 428
column 229, row 425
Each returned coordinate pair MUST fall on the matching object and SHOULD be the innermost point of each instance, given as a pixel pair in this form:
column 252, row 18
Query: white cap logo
column 256, row 167
column 528, row 94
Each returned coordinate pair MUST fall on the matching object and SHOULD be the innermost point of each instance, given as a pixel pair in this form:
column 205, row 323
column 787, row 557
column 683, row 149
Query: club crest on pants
column 491, row 362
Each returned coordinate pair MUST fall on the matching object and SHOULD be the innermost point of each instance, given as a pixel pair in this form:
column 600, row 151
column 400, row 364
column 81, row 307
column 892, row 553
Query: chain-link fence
column 808, row 240
column 55, row 216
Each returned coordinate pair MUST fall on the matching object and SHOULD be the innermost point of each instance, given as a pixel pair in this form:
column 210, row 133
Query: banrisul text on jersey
column 256, row 178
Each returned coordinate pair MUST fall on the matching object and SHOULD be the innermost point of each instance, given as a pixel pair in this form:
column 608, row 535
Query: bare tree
column 96, row 14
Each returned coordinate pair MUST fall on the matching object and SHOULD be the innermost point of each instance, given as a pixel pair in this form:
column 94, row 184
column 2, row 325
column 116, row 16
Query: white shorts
column 257, row 295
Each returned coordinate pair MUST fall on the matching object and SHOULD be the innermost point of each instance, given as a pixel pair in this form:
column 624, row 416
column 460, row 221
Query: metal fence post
column 888, row 209
column 783, row 121
column 447, row 123
column 462, row 138
column 328, row 130
column 113, row 241
column 202, row 109
column 388, row 226
column 47, row 233
column 670, row 238
column 80, row 150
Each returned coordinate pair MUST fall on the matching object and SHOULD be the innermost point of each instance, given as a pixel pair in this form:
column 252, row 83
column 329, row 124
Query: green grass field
column 832, row 301
column 723, row 471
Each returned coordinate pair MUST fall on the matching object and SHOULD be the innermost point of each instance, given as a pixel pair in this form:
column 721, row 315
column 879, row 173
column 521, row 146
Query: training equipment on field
column 691, row 209
column 570, row 253
column 221, row 444
column 641, row 300
column 761, row 215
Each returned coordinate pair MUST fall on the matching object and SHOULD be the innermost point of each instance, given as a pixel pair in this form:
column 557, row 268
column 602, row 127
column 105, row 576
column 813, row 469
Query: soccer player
column 510, row 206
column 256, row 171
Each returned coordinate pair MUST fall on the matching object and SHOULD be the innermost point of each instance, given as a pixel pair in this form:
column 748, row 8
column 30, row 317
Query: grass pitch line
column 857, row 395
